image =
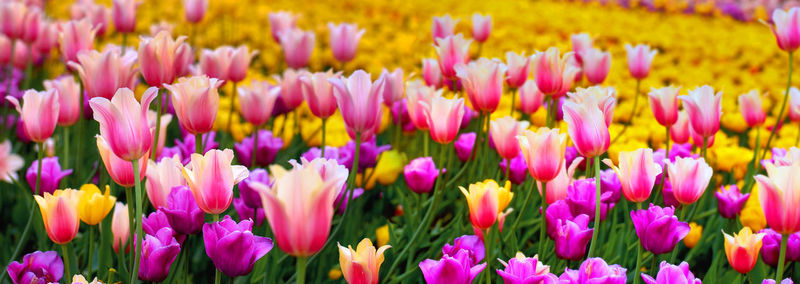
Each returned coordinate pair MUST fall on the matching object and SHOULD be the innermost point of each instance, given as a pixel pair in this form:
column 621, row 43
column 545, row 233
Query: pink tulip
column 162, row 131
column 431, row 72
column 394, row 88
column 12, row 18
column 750, row 107
column 786, row 27
column 637, row 172
column 297, row 47
column 216, row 63
column 417, row 94
column 553, row 74
column 483, row 83
column 586, row 127
column 120, row 226
column 123, row 13
column 103, row 73
column 452, row 50
column 33, row 19
column 704, row 109
column 21, row 56
column 557, row 188
column 344, row 40
column 281, row 22
column 794, row 104
column 69, row 98
column 519, row 67
column 239, row 62
column 504, row 132
column 120, row 171
column 161, row 26
column 444, row 118
column 5, row 50
column 291, row 88
column 664, row 104
column 123, row 122
column 196, row 102
column 544, row 152
column 211, row 178
column 697, row 139
column 257, row 101
column 160, row 58
column 47, row 38
column 530, row 98
column 580, row 43
column 679, row 132
column 481, row 27
column 39, row 114
column 689, row 178
column 779, row 194
column 604, row 97
column 74, row 37
column 359, row 100
column 161, row 178
column 194, row 10
column 318, row 93
column 640, row 58
column 97, row 14
column 443, row 27
column 596, row 65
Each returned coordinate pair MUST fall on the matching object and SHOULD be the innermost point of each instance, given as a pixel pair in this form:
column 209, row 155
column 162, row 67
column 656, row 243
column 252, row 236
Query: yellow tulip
column 742, row 249
column 382, row 235
column 752, row 216
column 694, row 235
column 94, row 205
column 363, row 264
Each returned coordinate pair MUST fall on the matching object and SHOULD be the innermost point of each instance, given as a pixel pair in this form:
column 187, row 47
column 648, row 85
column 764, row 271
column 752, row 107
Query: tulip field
column 509, row 141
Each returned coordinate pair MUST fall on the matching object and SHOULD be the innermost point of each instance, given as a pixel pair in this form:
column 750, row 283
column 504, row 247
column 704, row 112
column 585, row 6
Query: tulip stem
column 124, row 42
column 513, row 98
column 65, row 136
column 426, row 141
column 508, row 169
column 663, row 170
column 129, row 201
column 548, row 121
column 217, row 274
column 351, row 180
column 638, row 254
column 704, row 149
column 597, row 198
column 522, row 213
column 255, row 151
column 39, row 169
column 487, row 243
column 159, row 98
column 137, row 216
column 65, row 255
column 755, row 150
column 22, row 239
column 301, row 271
column 322, row 146
column 780, row 113
column 90, row 257
column 232, row 109
column 198, row 143
column 542, row 223
column 782, row 256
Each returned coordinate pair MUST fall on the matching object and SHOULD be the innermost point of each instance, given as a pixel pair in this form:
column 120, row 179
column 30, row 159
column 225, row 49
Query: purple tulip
column 268, row 147
column 609, row 182
column 464, row 144
column 778, row 154
column 420, row 174
column 232, row 247
column 330, row 153
column 343, row 205
column 594, row 270
column 669, row 197
column 581, row 199
column 156, row 221
column 523, row 270
column 681, row 151
column 184, row 148
column 368, row 155
column 469, row 114
column 570, row 154
column 658, row 229
column 37, row 266
column 51, row 175
column 400, row 114
column 730, row 201
column 559, row 210
column 470, row 243
column 672, row 274
column 182, row 212
column 571, row 239
column 450, row 269
column 245, row 212
column 158, row 253
column 519, row 169
column 770, row 281
column 771, row 244
column 248, row 194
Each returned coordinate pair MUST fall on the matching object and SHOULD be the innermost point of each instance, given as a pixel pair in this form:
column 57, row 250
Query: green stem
column 28, row 73
column 426, row 141
column 66, row 257
column 131, row 214
column 513, row 99
column 91, row 252
column 663, row 171
column 124, row 42
column 39, row 169
column 487, row 243
column 755, row 150
column 597, row 205
column 548, row 118
column 780, row 113
column 638, row 254
column 322, row 146
column 217, row 273
column 301, row 270
column 232, row 110
column 781, row 256
column 255, row 150
column 154, row 149
column 508, row 170
column 22, row 239
column 65, row 136
column 542, row 223
column 704, row 149
column 138, row 217
column 351, row 180
column 198, row 143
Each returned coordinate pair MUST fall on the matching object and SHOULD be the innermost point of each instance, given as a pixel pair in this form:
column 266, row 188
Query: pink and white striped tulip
column 689, row 178
column 580, row 43
column 679, row 132
column 483, row 83
column 120, row 171
column 751, row 109
column 196, row 102
column 544, row 152
column 39, row 113
column 786, row 28
column 297, row 47
column 504, row 132
column 123, row 122
column 519, row 67
column 779, row 194
column 318, row 93
column 637, row 172
column 344, row 40
column 394, row 88
column 103, row 73
column 587, row 127
column 431, row 72
column 417, row 93
column 69, row 98
column 452, row 50
column 596, row 65
column 239, row 62
column 530, row 98
column 664, row 104
column 257, row 101
column 161, row 58
column 359, row 100
column 123, row 13
column 162, row 176
column 443, row 27
column 211, row 178
column 444, row 117
column 704, row 109
column 553, row 73
column 640, row 58
column 604, row 97
column 281, row 22
column 76, row 36
column 216, row 63
column 481, row 27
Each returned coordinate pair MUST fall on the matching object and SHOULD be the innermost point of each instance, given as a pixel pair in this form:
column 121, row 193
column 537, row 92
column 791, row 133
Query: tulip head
column 60, row 214
column 211, row 178
column 742, row 249
column 93, row 205
column 486, row 201
column 363, row 264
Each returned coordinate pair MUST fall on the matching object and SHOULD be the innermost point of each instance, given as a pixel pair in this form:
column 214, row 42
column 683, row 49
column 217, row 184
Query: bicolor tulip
column 420, row 174
column 704, row 109
column 595, row 270
column 417, row 93
column 730, row 201
column 281, row 22
column 76, row 36
column 742, row 249
column 637, row 171
column 317, row 91
column 232, row 247
column 518, row 69
column 750, row 107
column 458, row 268
column 216, row 63
column 553, row 73
column 504, row 132
column 658, row 229
column 291, row 88
column 544, row 152
column 483, row 83
column 603, row 97
column 486, row 201
column 443, row 27
column 452, row 50
column 162, row 176
column 158, row 252
column 196, row 102
column 481, row 27
column 104, row 73
column 521, row 269
column 669, row 274
column 124, row 15
column 394, row 86
column 530, row 98
column 51, row 175
column 640, row 58
column 16, row 16
column 363, row 264
column 69, row 98
column 786, row 28
column 664, row 104
column 37, row 267
column 431, row 72
column 257, row 101
column 359, row 100
column 39, row 113
column 586, row 125
column 212, row 177
column 596, row 65
column 97, row 13
column 689, row 178
column 297, row 47
column 580, row 43
column 120, row 170
column 10, row 163
column 779, row 194
column 444, row 118
column 123, row 122
column 120, row 226
column 161, row 58
column 239, row 62
column 344, row 40
column 93, row 205
column 680, row 132
column 248, row 192
column 60, row 214
column 794, row 104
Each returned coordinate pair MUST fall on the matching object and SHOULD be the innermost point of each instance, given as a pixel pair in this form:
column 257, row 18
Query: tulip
column 444, row 118
column 695, row 233
column 194, row 10
column 158, row 253
column 369, row 152
column 74, row 37
column 344, row 40
column 794, row 104
column 196, row 102
column 93, row 206
column 780, row 197
column 60, row 214
column 39, row 113
column 239, row 62
column 257, row 100
column 51, row 175
column 481, row 27
column 530, row 98
column 211, row 179
column 104, row 73
column 161, row 178
column 156, row 221
column 658, row 229
column 543, row 151
column 517, row 169
column 679, row 132
column 771, row 247
column 98, row 14
column 124, row 15
column 297, row 47
column 281, row 22
column 128, row 135
column 394, row 84
column 595, row 270
column 457, row 268
column 361, row 265
column 46, row 267
column 552, row 73
column 253, row 214
column 668, row 274
column 120, row 171
column 469, row 243
column 265, row 149
column 571, row 239
column 730, row 201
column 120, row 225
column 160, row 58
column 704, row 109
column 14, row 16
column 302, row 194
column 504, row 132
column 587, row 127
column 47, row 37
column 742, row 249
column 640, row 58
column 664, row 104
column 689, row 178
column 217, row 63
column 750, row 107
column 443, row 27
column 292, row 88
column 182, row 212
column 483, row 83
column 418, row 93
column 69, row 98
column 486, row 201
column 431, row 72
column 637, row 172
column 463, row 146
column 10, row 163
column 581, row 197
column 521, row 269
column 518, row 69
column 786, row 28
column 317, row 91
column 359, row 100
column 232, row 247
column 420, row 174
column 580, row 43
column 603, row 97
column 784, row 281
column 596, row 65
column 452, row 50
